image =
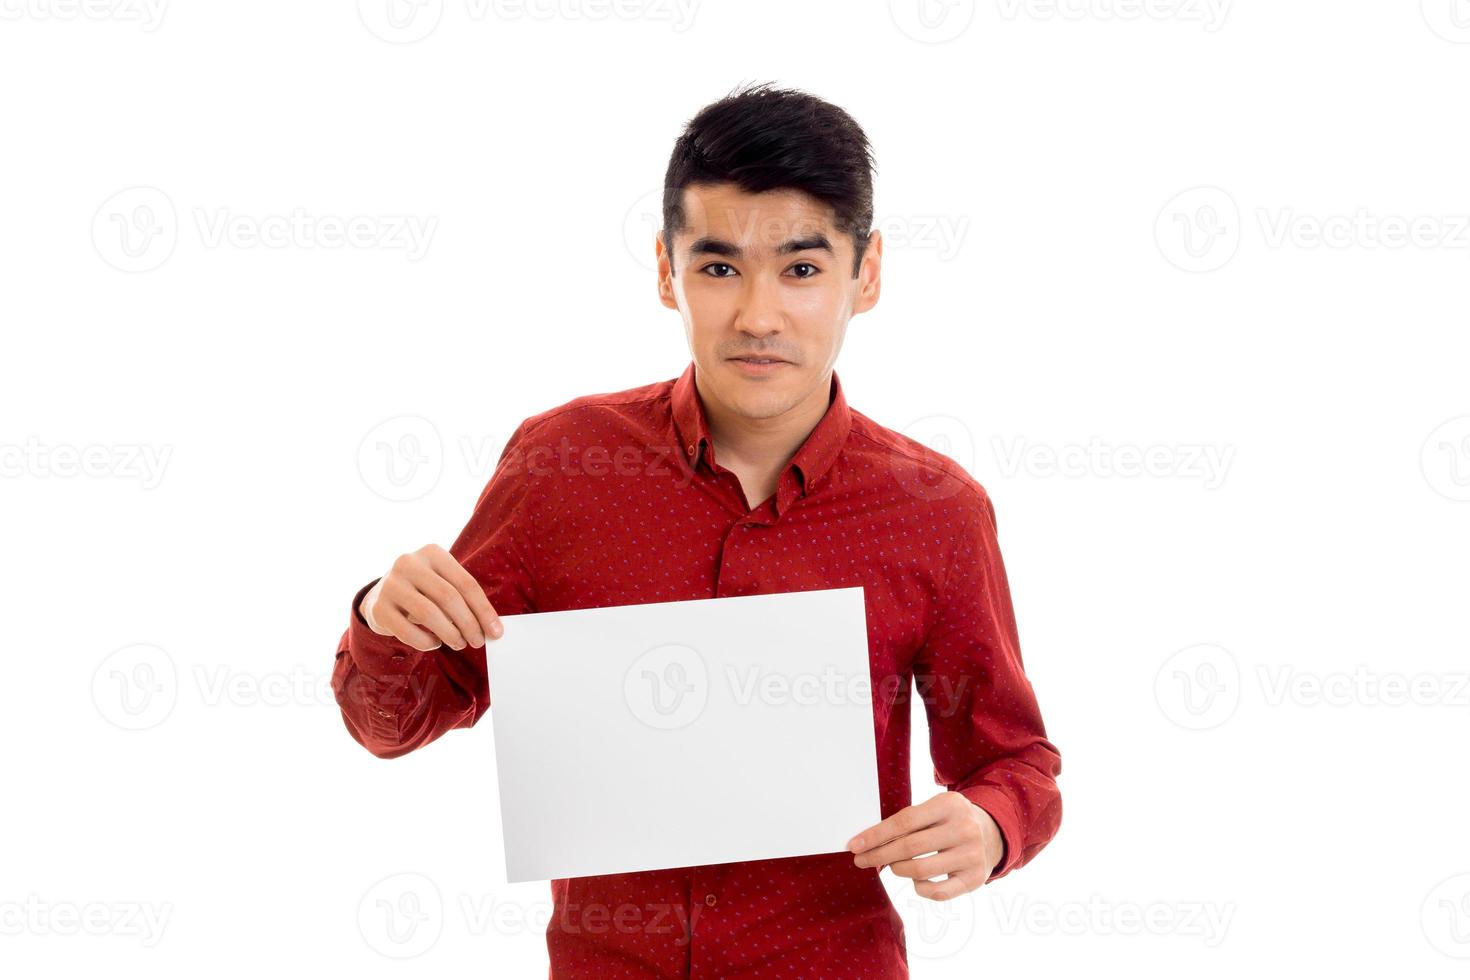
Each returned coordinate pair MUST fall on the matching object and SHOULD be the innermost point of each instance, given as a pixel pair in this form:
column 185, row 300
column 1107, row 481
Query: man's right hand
column 427, row 600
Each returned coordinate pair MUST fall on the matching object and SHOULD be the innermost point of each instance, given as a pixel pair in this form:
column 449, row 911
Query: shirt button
column 709, row 900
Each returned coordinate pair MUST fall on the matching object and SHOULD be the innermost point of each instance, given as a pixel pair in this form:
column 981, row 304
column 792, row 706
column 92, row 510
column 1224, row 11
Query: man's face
column 764, row 275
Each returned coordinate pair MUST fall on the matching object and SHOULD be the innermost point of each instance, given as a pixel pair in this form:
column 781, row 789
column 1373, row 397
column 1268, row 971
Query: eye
column 718, row 265
column 807, row 265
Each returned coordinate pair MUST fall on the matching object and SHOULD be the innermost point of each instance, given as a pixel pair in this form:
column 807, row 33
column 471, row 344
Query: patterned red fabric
column 617, row 498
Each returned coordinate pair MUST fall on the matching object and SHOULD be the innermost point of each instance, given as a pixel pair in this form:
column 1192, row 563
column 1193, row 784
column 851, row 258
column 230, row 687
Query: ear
column 665, row 273
column 870, row 280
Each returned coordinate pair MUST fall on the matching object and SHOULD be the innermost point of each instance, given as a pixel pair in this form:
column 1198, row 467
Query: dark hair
column 762, row 138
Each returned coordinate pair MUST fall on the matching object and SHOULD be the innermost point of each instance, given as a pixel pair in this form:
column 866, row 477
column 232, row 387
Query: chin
column 761, row 399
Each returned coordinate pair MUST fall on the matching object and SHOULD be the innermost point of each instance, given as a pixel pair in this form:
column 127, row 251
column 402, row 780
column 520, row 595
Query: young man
column 748, row 474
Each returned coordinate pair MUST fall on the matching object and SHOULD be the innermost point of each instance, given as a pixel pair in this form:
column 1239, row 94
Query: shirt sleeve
column 986, row 735
column 394, row 698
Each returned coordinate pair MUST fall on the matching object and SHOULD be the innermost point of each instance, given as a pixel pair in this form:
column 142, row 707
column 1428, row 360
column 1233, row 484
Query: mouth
column 758, row 367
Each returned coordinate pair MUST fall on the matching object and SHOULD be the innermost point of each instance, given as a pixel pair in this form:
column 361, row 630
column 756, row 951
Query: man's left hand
column 967, row 839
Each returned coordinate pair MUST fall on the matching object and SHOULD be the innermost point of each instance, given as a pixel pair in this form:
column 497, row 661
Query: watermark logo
column 1201, row 687
column 136, row 229
column 1360, row 687
column 1210, row 14
column 595, row 460
column 641, row 224
column 938, row 436
column 942, row 234
column 136, row 687
column 401, row 458
column 129, row 461
column 147, row 14
column 932, row 21
column 1198, row 230
column 221, row 685
column 679, row 14
column 406, row 233
column 401, row 916
column 1362, row 229
column 1097, row 916
column 1198, row 687
column 1445, row 459
column 1205, row 463
column 1445, row 916
column 1450, row 19
column 400, row 21
column 407, row 21
column 939, row 930
column 37, row 917
column 830, row 686
column 667, row 687
column 485, row 914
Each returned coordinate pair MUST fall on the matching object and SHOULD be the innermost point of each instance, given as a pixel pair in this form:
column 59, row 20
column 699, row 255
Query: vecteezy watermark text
column 1206, row 463
column 138, row 229
column 128, row 461
column 147, row 14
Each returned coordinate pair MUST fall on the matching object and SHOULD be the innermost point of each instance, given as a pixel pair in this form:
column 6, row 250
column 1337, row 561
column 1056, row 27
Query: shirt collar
column 812, row 460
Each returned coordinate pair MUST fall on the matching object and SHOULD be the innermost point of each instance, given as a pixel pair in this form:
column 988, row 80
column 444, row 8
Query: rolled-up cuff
column 1002, row 809
column 376, row 655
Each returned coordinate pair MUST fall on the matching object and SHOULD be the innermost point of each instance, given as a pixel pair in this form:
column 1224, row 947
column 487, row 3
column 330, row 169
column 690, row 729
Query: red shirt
column 616, row 499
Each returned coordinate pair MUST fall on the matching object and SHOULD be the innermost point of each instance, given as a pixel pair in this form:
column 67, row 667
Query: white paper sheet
column 671, row 734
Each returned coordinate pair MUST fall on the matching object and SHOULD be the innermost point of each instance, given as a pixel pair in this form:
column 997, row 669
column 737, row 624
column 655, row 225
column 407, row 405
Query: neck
column 764, row 445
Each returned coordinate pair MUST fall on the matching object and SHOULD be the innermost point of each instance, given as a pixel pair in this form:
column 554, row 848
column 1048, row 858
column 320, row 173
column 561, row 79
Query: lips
column 755, row 366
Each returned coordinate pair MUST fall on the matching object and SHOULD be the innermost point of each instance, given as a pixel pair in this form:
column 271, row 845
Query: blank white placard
column 672, row 734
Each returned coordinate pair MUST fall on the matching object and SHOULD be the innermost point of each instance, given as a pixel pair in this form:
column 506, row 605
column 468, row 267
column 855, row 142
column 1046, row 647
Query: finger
column 952, row 887
column 905, row 821
column 474, row 596
column 398, row 627
column 922, row 842
column 395, row 610
column 420, row 609
column 900, row 823
column 947, row 862
column 452, row 605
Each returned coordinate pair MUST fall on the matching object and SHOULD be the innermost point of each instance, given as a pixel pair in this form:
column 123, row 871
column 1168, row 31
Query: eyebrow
column 718, row 246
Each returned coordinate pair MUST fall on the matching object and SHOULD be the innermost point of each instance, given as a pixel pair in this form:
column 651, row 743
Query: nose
column 760, row 312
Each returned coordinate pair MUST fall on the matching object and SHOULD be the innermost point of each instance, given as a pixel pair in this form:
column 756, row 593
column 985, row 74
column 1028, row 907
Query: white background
column 1175, row 229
